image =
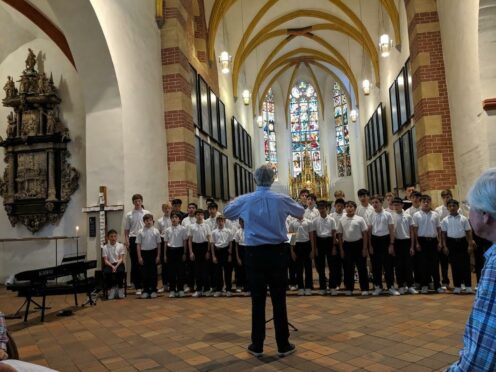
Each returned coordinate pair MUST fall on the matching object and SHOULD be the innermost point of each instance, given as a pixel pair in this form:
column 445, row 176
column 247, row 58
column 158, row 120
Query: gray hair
column 482, row 195
column 264, row 175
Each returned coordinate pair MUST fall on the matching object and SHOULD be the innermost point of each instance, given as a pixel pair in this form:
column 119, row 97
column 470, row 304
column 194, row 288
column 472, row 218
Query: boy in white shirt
column 364, row 209
column 414, row 198
column 443, row 212
column 162, row 224
column 311, row 212
column 325, row 235
column 133, row 225
column 239, row 239
column 404, row 247
column 113, row 254
column 416, row 203
column 189, row 267
column 381, row 248
column 457, row 238
column 337, row 269
column 428, row 244
column 353, row 244
column 191, row 217
column 198, row 244
column 148, row 242
column 389, row 202
column 222, row 257
column 175, row 239
column 302, row 254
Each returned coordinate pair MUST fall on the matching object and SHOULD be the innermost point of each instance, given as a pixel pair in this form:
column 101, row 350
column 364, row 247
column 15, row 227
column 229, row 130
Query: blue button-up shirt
column 479, row 341
column 264, row 213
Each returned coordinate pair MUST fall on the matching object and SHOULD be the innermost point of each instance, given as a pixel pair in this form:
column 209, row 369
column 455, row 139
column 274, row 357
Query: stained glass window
column 269, row 130
column 304, row 115
column 342, row 131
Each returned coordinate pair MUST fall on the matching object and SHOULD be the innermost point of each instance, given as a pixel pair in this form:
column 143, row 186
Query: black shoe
column 255, row 351
column 290, row 349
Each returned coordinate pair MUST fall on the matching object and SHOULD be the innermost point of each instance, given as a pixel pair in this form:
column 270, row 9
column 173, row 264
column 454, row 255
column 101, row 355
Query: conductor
column 264, row 213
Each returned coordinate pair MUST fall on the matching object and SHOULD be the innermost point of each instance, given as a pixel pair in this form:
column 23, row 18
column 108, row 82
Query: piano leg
column 28, row 300
column 43, row 309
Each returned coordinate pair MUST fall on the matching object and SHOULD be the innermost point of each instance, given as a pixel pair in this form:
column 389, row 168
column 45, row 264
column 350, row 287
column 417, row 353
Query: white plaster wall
column 16, row 257
column 464, row 89
column 135, row 52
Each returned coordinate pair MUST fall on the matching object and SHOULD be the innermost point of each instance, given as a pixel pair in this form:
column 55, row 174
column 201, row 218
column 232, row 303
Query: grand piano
column 39, row 283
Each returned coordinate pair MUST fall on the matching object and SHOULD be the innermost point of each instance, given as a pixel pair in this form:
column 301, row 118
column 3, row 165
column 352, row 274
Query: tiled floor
column 409, row 333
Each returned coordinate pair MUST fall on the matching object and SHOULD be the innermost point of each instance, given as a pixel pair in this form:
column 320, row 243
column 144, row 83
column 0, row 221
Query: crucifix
column 102, row 208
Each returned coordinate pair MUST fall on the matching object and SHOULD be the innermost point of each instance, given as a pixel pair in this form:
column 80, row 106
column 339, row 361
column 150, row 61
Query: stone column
column 436, row 164
column 177, row 95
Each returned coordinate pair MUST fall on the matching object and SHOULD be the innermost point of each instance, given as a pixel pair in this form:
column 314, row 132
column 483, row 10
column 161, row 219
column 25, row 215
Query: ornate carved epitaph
column 38, row 180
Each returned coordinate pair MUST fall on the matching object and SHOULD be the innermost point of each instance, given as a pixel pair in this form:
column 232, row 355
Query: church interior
column 184, row 99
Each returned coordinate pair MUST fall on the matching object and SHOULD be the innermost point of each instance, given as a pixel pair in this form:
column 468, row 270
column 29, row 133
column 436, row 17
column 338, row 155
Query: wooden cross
column 102, row 208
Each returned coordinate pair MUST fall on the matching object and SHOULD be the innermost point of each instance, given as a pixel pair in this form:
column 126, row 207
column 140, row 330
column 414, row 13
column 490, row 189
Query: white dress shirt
column 352, row 228
column 163, row 223
column 427, row 223
column 455, row 226
column 379, row 223
column 239, row 236
column 402, row 223
column 134, row 221
column 222, row 237
column 412, row 210
column 199, row 232
column 302, row 229
column 311, row 213
column 149, row 238
column 113, row 252
column 175, row 236
column 364, row 212
column 324, row 227
column 188, row 221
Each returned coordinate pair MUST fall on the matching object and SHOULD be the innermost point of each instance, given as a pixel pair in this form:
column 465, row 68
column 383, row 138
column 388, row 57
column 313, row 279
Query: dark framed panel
column 246, row 180
column 414, row 154
column 369, row 177
column 398, row 165
column 242, row 144
column 194, row 96
column 409, row 90
column 367, row 141
column 380, row 185
column 393, row 105
column 374, row 136
column 199, row 168
column 377, row 171
column 407, row 158
column 402, row 98
column 237, row 185
column 222, row 124
column 381, row 123
column 207, row 169
column 235, row 137
column 252, row 185
column 217, row 174
column 204, row 106
column 249, row 150
column 385, row 172
column 225, row 177
column 214, row 117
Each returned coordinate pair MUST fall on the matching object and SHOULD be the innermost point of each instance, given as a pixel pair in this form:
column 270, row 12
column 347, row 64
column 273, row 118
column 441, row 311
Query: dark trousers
column 222, row 270
column 403, row 262
column 189, row 272
column 176, row 268
column 429, row 259
column 460, row 261
column 114, row 279
column 242, row 280
column 324, row 253
column 149, row 270
column 164, row 274
column 200, row 265
column 303, row 261
column 382, row 261
column 353, row 256
column 444, row 264
column 417, row 267
column 267, row 266
column 136, row 277
column 292, row 281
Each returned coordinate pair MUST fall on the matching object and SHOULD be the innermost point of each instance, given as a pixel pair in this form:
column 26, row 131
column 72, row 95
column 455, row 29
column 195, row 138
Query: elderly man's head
column 482, row 200
column 264, row 175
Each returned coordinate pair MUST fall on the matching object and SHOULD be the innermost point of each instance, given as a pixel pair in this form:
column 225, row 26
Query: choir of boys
column 404, row 247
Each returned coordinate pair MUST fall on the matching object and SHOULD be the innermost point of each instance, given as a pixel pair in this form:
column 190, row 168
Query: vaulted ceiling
column 276, row 40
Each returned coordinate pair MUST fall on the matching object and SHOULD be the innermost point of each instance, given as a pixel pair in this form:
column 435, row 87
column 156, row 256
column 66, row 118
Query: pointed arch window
column 304, row 117
column 342, row 131
column 268, row 116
